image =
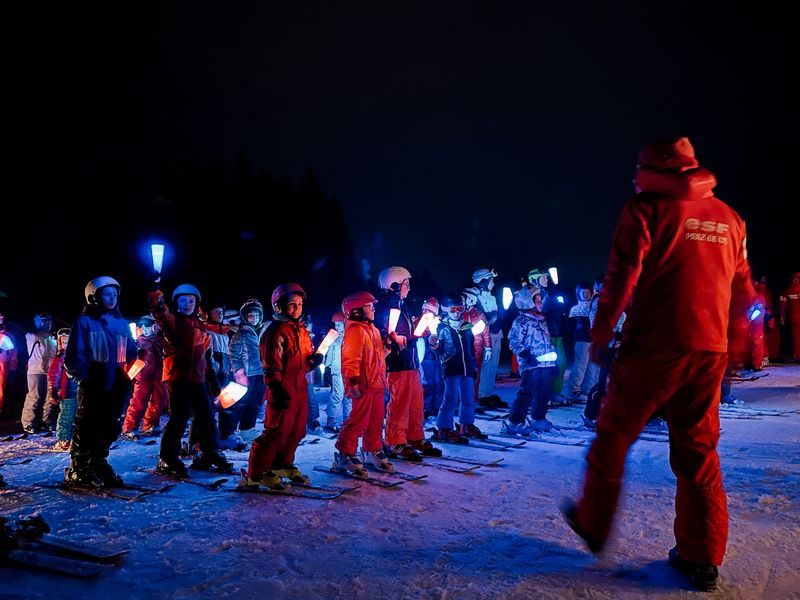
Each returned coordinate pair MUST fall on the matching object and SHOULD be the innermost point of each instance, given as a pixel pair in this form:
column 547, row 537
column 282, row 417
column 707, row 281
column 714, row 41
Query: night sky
column 456, row 135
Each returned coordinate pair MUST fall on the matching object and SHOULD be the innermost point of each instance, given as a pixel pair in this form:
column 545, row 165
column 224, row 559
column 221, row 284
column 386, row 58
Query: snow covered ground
column 493, row 534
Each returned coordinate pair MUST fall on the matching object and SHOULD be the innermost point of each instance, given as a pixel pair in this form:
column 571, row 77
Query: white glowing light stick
column 507, row 297
column 479, row 327
column 157, row 252
column 548, row 357
column 134, row 369
column 423, row 324
column 394, row 317
column 132, row 327
column 553, row 275
column 231, row 394
column 329, row 338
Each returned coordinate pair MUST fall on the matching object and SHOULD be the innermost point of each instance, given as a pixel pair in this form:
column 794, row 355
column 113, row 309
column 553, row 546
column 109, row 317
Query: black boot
column 106, row 474
column 210, row 460
column 173, row 468
column 703, row 577
column 84, row 478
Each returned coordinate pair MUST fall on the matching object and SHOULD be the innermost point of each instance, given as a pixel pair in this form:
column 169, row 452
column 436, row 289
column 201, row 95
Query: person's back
column 683, row 250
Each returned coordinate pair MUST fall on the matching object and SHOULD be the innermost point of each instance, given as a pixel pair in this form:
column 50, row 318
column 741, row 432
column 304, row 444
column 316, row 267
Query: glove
column 487, row 354
column 526, row 354
column 433, row 340
column 240, row 377
column 402, row 341
column 279, row 397
column 355, row 391
column 155, row 281
column 314, row 360
column 55, row 396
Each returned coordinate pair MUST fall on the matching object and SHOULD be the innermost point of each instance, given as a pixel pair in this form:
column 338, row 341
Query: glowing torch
column 479, row 327
column 553, row 275
column 507, row 297
column 394, row 317
column 548, row 357
column 423, row 324
column 231, row 394
column 157, row 253
column 329, row 338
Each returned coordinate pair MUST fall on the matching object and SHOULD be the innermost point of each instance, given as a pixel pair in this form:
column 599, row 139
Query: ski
column 54, row 564
column 323, row 488
column 562, row 440
column 432, row 462
column 209, row 485
column 481, row 445
column 759, row 412
column 469, row 461
column 306, row 491
column 77, row 549
column 370, row 480
column 481, row 417
column 397, row 474
column 117, row 493
column 305, row 442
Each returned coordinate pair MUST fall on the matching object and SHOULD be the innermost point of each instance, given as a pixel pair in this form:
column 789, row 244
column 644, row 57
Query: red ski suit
column 790, row 312
column 149, row 397
column 285, row 351
column 364, row 366
column 678, row 257
column 482, row 341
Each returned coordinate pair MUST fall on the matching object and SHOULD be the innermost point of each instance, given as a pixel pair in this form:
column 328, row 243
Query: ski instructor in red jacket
column 678, row 264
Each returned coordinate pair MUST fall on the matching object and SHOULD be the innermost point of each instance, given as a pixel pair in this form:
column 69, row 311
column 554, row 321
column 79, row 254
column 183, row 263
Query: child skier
column 364, row 373
column 64, row 391
column 286, row 356
column 577, row 383
column 455, row 345
column 339, row 405
column 101, row 344
column 433, row 382
column 149, row 397
column 529, row 338
column 186, row 345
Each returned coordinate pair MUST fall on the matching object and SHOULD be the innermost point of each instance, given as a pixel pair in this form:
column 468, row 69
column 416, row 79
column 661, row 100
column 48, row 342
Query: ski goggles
column 455, row 309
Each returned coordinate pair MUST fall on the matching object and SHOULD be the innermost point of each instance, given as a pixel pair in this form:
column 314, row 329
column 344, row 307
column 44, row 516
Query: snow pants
column 313, row 405
column 404, row 412
column 38, row 410
column 686, row 384
column 283, row 430
column 97, row 418
column 577, row 375
column 488, row 372
column 433, row 388
column 561, row 363
column 149, row 400
column 339, row 406
column 188, row 399
column 458, row 394
column 534, row 391
column 366, row 421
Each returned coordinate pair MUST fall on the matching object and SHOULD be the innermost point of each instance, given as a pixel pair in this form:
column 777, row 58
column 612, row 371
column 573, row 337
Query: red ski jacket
column 679, row 258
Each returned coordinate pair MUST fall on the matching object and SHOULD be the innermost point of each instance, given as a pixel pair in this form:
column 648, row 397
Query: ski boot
column 248, row 435
column 449, row 436
column 130, row 436
column 569, row 510
column 590, row 424
column 471, row 431
column 150, row 431
column 293, row 474
column 349, row 463
column 496, row 401
column 232, row 442
column 405, row 452
column 106, row 473
column 208, row 461
column 703, row 577
column 314, row 428
column 425, row 447
column 540, row 425
column 267, row 479
column 379, row 460
column 331, row 427
column 83, row 478
column 510, row 428
column 173, row 468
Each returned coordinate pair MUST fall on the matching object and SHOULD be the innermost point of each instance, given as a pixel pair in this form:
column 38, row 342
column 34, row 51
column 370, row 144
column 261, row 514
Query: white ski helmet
column 392, row 275
column 523, row 298
column 188, row 289
column 482, row 274
column 94, row 286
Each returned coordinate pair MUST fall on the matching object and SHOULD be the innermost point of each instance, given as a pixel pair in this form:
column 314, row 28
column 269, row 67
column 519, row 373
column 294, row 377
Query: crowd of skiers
column 81, row 385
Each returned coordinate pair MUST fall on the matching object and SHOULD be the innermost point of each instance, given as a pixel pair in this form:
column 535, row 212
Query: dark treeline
column 233, row 230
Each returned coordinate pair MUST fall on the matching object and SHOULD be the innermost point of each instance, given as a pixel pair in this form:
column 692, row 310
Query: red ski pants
column 283, row 430
column 365, row 420
column 404, row 413
column 687, row 386
column 149, row 399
